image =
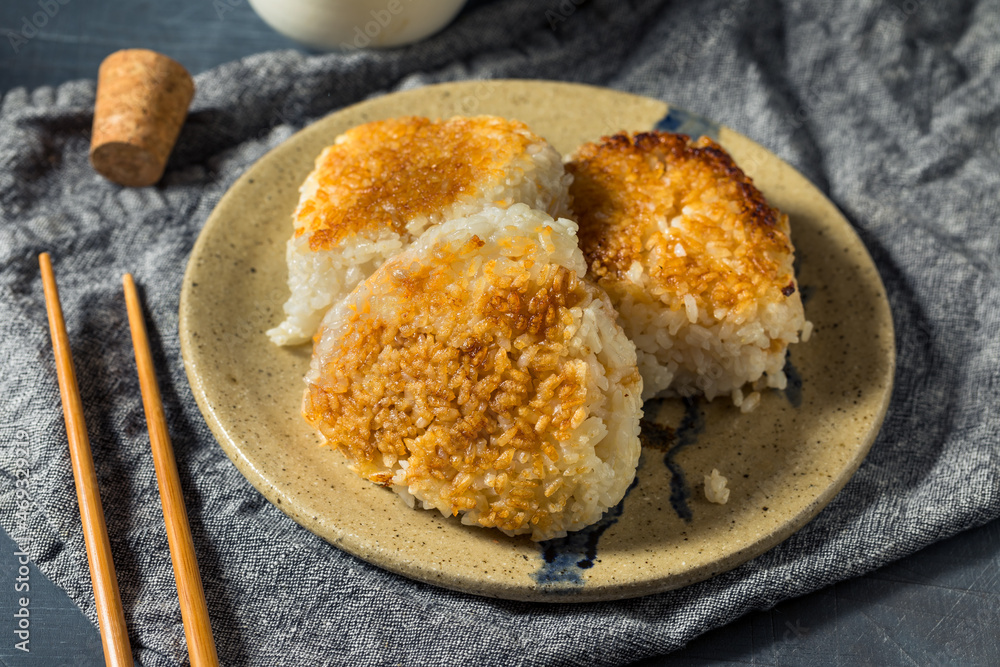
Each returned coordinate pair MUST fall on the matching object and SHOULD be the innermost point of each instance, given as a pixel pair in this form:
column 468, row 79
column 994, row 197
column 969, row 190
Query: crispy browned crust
column 626, row 188
column 382, row 174
column 452, row 401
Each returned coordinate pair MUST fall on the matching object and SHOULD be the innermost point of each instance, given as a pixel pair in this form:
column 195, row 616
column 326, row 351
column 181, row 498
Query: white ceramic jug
column 356, row 24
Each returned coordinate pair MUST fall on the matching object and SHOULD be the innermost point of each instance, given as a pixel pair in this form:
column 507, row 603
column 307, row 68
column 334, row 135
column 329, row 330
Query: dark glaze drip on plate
column 793, row 390
column 684, row 122
column 566, row 557
column 687, row 433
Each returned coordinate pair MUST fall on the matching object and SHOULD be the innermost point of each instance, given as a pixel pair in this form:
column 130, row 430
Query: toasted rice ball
column 697, row 263
column 383, row 183
column 477, row 374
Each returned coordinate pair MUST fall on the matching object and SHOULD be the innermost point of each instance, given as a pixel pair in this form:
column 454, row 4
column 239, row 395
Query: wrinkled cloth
column 891, row 109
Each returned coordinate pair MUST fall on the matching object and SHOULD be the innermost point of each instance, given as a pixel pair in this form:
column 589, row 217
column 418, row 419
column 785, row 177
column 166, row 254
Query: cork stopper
column 142, row 99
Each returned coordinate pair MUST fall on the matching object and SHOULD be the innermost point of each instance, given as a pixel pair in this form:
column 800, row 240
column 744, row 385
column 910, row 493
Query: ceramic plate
column 784, row 461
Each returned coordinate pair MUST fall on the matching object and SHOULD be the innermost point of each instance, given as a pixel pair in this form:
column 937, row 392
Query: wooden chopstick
column 194, row 610
column 111, row 616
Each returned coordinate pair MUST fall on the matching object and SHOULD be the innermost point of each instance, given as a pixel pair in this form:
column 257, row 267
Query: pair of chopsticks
column 194, row 610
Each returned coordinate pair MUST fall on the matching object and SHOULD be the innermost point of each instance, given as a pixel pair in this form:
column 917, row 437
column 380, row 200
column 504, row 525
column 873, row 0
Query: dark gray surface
column 56, row 633
column 939, row 606
column 196, row 33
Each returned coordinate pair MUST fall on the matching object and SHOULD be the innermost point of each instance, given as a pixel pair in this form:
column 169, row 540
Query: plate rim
column 458, row 581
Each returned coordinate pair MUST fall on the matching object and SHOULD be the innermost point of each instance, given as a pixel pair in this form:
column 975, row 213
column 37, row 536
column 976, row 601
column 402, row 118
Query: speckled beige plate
column 785, row 461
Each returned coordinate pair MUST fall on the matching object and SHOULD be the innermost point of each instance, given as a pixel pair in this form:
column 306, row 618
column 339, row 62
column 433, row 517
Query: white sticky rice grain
column 715, row 488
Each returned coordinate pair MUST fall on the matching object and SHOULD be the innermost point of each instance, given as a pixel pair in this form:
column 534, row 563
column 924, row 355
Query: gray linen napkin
column 893, row 110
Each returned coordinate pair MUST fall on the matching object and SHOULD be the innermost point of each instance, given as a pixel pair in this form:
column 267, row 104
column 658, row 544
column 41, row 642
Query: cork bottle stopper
column 142, row 100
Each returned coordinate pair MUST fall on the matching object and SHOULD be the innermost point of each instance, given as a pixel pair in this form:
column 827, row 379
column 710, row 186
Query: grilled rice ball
column 381, row 184
column 697, row 263
column 477, row 374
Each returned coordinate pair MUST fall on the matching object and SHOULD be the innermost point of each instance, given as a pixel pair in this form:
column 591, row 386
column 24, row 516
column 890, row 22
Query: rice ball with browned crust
column 697, row 263
column 476, row 373
column 381, row 184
